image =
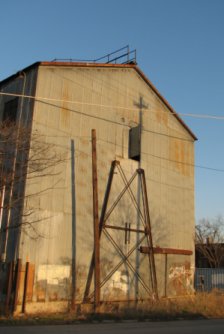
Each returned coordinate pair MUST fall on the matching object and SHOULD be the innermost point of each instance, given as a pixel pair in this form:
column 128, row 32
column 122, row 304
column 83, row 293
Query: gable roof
column 103, row 65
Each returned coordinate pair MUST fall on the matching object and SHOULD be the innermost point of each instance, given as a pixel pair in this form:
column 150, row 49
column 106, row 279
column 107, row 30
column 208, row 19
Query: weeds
column 198, row 306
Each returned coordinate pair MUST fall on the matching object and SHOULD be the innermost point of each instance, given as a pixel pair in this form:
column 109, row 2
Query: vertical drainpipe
column 20, row 75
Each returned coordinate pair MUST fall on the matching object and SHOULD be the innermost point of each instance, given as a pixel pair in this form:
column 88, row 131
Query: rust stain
column 162, row 117
column 30, row 282
column 53, row 295
column 41, row 290
column 83, row 169
column 180, row 157
column 187, row 265
column 160, row 250
column 124, row 66
column 21, row 284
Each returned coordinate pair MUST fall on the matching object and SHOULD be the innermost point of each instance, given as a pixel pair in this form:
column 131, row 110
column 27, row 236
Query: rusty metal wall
column 105, row 99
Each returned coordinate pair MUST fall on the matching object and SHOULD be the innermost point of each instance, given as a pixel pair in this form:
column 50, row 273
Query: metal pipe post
column 9, row 288
column 17, row 276
column 26, row 280
column 96, row 223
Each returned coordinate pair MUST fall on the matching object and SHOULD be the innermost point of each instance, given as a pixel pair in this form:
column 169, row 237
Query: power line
column 82, row 113
column 128, row 171
column 171, row 160
column 186, row 163
column 202, row 116
column 144, row 153
column 118, row 123
column 40, row 98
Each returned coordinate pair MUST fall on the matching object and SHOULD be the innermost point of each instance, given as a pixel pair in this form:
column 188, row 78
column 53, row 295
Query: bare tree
column 209, row 241
column 22, row 157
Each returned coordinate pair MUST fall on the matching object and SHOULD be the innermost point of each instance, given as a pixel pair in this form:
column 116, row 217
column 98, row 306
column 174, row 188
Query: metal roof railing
column 121, row 56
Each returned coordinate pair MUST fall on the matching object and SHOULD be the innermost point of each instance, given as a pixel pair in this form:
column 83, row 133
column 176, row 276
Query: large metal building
column 146, row 248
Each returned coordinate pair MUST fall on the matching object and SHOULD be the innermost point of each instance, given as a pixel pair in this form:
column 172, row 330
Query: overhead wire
column 82, row 113
column 171, row 160
column 81, row 152
column 41, row 98
column 143, row 152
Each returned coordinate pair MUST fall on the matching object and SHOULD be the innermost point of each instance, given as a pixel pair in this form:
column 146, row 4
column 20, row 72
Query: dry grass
column 209, row 305
column 198, row 306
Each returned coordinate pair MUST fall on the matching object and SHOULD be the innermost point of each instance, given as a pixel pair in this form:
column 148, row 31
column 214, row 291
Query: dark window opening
column 10, row 111
column 134, row 143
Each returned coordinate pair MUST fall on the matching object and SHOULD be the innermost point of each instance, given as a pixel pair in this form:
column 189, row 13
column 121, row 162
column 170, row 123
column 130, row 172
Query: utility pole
column 95, row 224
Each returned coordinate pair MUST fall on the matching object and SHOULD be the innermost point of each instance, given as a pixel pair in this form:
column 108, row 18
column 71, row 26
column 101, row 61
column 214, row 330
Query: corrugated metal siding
column 207, row 279
column 21, row 84
column 167, row 160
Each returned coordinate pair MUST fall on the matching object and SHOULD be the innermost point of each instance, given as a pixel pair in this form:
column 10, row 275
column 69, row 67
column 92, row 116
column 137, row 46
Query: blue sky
column 180, row 48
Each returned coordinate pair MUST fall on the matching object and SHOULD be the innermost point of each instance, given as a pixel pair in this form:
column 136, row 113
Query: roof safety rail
column 121, row 56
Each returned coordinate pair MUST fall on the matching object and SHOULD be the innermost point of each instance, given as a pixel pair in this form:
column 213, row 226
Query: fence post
column 26, row 280
column 9, row 287
column 17, row 281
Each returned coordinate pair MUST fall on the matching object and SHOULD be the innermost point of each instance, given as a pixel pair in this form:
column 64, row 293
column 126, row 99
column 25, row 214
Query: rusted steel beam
column 9, row 288
column 160, row 250
column 120, row 263
column 124, row 228
column 107, row 193
column 126, row 187
column 152, row 264
column 26, row 280
column 146, row 233
column 126, row 260
column 135, row 202
column 96, row 223
column 105, row 215
column 103, row 212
